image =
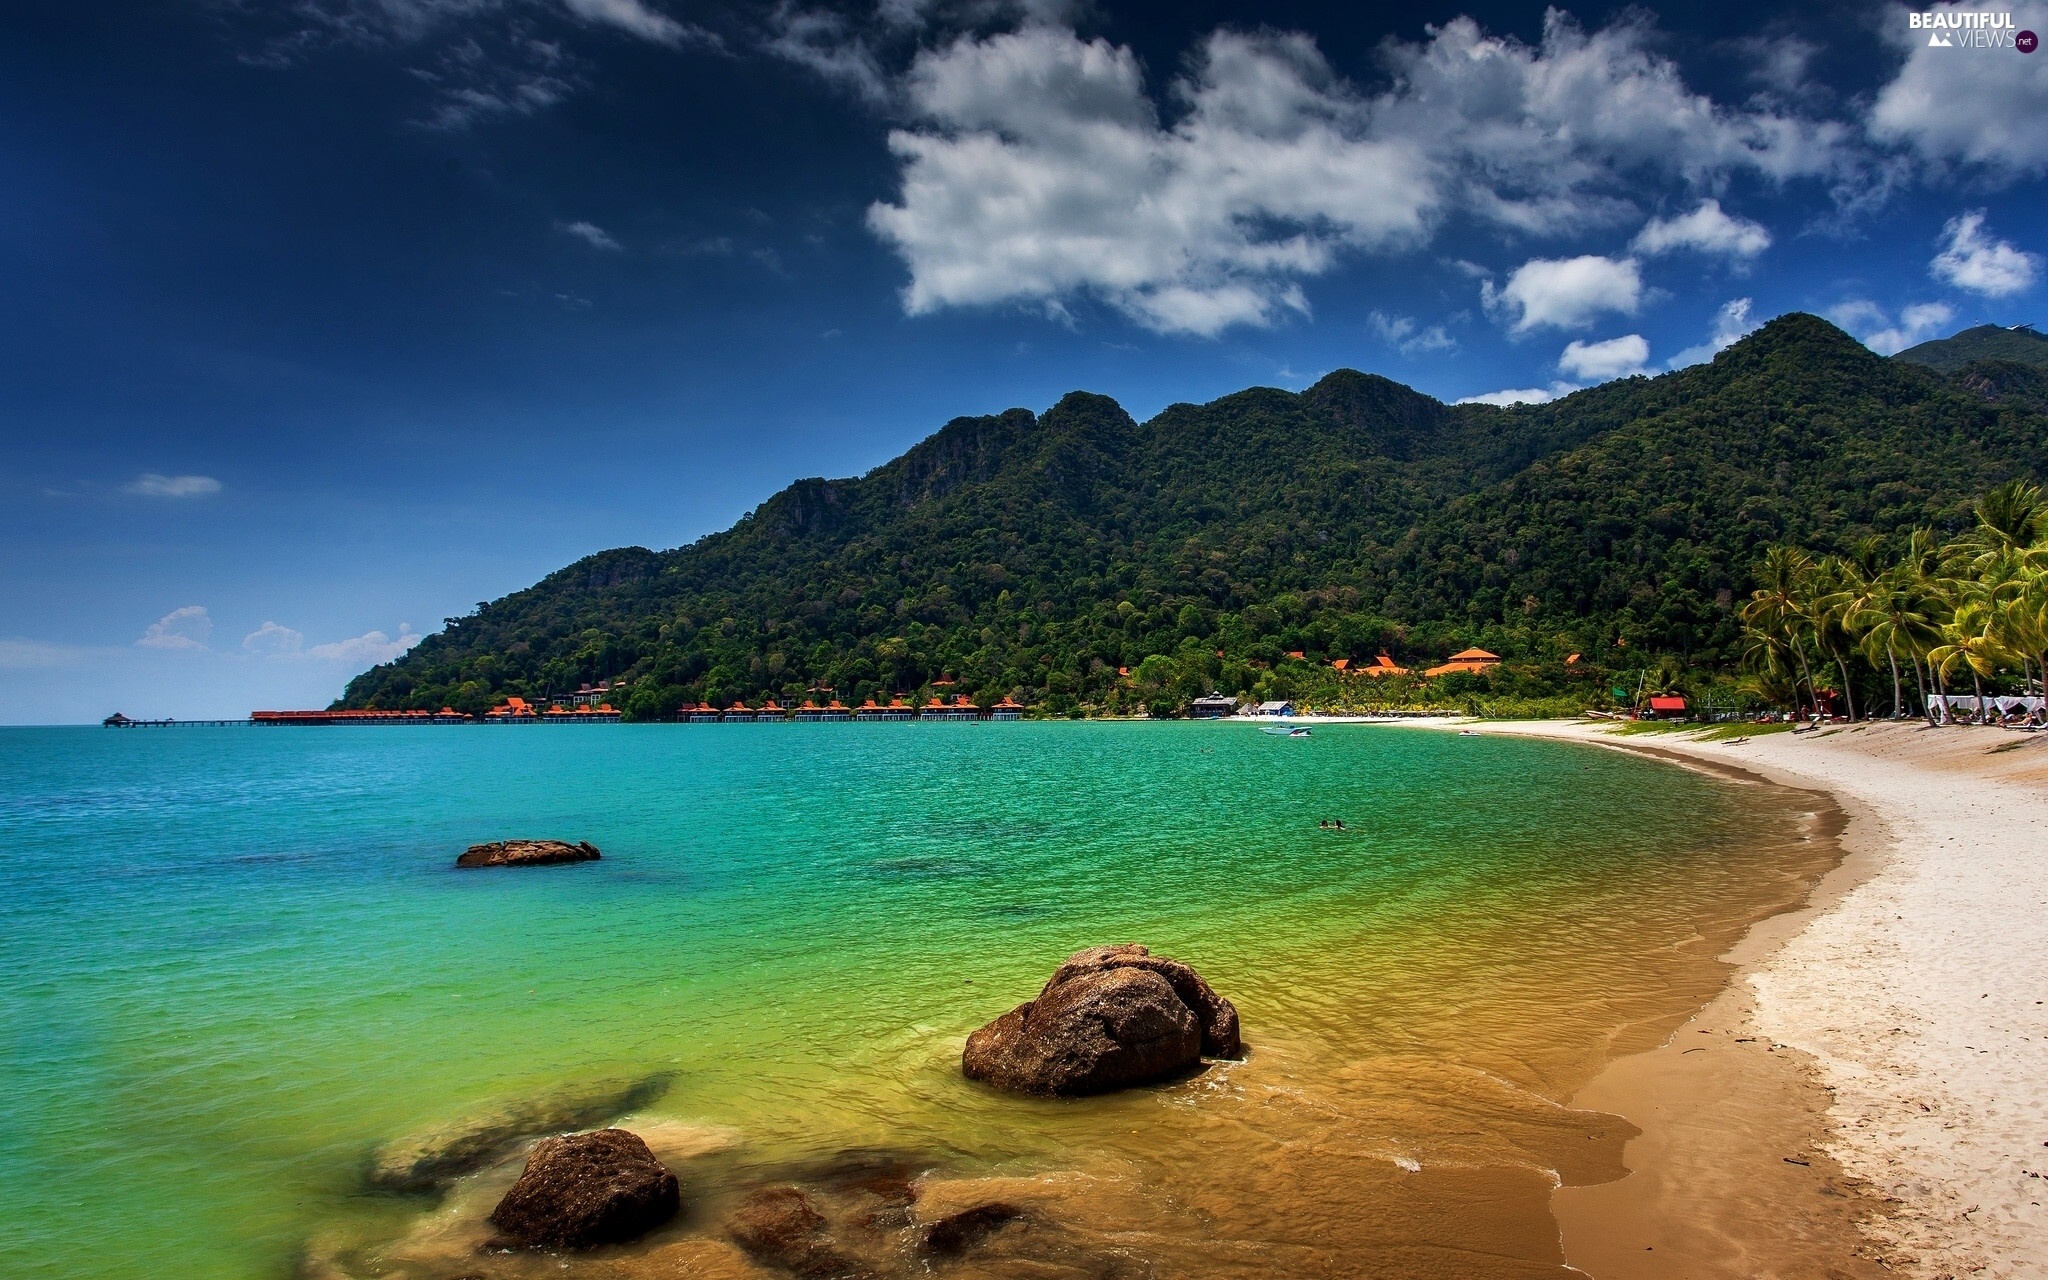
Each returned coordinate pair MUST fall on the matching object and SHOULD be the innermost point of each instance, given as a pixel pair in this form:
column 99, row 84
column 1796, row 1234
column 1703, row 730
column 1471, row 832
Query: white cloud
column 1404, row 335
column 273, row 640
column 1564, row 293
column 1604, row 361
column 591, row 234
column 1731, row 323
column 634, row 18
column 827, row 44
column 151, row 485
column 1870, row 323
column 1039, row 169
column 1706, row 229
column 185, row 628
column 1963, row 105
column 1974, row 260
column 1047, row 174
column 370, row 648
column 1526, row 395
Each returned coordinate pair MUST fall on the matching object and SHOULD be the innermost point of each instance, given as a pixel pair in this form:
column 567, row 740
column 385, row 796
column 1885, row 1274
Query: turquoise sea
column 233, row 961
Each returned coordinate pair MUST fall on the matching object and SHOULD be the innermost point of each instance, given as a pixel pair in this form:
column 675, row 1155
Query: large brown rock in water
column 583, row 1189
column 527, row 853
column 1096, row 1031
column 1217, row 1016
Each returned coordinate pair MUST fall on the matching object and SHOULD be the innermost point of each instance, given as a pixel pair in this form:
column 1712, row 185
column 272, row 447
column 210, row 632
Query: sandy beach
column 1870, row 1094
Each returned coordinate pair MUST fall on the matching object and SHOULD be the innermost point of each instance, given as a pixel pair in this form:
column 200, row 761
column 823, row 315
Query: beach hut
column 1275, row 709
column 1667, row 706
column 1473, row 660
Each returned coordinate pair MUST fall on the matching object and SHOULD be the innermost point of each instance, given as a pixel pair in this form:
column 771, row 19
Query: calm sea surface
column 234, row 961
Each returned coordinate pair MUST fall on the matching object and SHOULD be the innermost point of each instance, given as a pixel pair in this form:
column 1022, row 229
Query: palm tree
column 1775, row 614
column 1830, row 592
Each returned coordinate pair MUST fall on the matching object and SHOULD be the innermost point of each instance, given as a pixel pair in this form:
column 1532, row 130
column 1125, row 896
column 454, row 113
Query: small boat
column 1468, row 733
column 1287, row 731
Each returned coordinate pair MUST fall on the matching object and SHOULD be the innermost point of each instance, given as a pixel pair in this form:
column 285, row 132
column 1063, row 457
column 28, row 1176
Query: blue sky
column 327, row 319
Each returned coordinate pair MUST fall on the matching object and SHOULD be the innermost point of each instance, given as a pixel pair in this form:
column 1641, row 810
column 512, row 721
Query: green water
column 234, row 960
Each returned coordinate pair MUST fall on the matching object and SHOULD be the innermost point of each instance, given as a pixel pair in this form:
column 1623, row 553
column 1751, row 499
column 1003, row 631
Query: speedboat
column 1287, row 731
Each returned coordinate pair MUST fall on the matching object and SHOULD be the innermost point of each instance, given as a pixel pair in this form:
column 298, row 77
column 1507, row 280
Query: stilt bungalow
column 739, row 713
column 1008, row 709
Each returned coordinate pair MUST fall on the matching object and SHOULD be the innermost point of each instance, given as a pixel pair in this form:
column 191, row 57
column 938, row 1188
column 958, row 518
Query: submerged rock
column 425, row 1163
column 527, row 853
column 779, row 1226
column 956, row 1233
column 583, row 1189
column 1110, row 1017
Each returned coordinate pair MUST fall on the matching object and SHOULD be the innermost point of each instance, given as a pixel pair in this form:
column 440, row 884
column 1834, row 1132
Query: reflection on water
column 801, row 924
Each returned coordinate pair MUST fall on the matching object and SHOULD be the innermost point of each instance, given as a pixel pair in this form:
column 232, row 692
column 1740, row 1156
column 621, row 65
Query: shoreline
column 1863, row 1097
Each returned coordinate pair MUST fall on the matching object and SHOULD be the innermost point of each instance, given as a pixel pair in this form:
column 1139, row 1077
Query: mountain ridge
column 1036, row 555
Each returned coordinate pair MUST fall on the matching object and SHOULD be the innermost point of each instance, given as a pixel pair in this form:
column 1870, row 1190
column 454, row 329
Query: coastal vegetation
column 1083, row 562
column 1924, row 616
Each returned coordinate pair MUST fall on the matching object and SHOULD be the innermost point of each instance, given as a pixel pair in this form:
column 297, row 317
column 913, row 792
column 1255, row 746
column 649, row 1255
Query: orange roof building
column 1382, row 666
column 1473, row 660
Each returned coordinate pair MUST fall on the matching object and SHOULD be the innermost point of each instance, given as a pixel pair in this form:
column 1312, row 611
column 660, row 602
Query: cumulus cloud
column 1047, row 174
column 1960, row 105
column 185, row 628
column 1038, row 167
column 1706, row 229
column 1604, row 361
column 151, row 485
column 1973, row 259
column 1406, row 336
column 1731, row 323
column 1524, row 395
column 370, row 648
column 272, row 640
column 1564, row 293
column 591, row 234
column 1872, row 324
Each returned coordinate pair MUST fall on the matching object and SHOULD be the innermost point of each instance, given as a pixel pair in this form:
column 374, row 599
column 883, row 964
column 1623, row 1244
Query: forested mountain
column 1037, row 555
column 1985, row 342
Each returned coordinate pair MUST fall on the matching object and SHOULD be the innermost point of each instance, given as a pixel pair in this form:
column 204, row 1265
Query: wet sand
column 1870, row 1095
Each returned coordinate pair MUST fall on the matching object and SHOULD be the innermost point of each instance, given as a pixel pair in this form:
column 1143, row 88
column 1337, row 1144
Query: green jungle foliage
column 1086, row 563
column 1985, row 342
column 1966, row 616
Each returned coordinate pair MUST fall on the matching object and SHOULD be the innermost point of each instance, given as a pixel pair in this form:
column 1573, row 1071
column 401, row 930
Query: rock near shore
column 527, row 853
column 584, row 1189
column 1109, row 1018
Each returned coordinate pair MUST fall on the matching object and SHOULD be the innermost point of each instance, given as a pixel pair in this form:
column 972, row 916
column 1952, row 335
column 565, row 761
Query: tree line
column 1925, row 614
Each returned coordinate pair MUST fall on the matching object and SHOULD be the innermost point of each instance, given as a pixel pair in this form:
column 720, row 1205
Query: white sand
column 1919, row 993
